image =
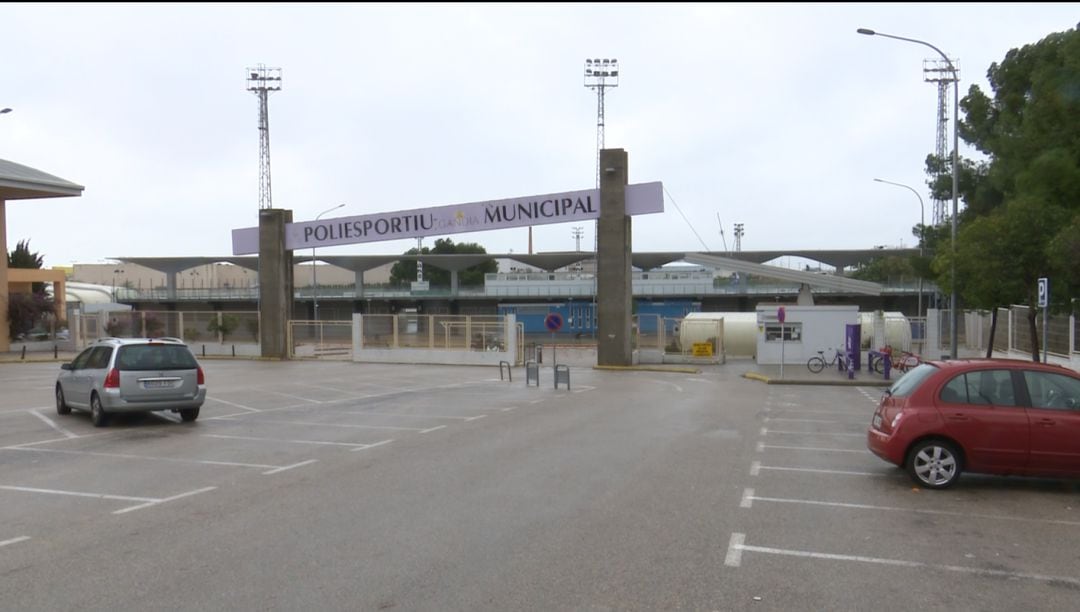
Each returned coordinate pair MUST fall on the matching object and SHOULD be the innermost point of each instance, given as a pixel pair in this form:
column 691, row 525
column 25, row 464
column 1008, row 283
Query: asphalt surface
column 340, row 486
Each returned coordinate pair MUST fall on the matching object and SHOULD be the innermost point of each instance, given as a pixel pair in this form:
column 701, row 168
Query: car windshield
column 155, row 357
column 907, row 383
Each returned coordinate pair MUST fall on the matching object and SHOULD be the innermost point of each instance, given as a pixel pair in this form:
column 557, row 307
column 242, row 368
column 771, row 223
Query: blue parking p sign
column 1044, row 292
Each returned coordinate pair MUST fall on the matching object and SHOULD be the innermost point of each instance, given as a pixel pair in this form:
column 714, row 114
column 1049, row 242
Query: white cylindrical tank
column 740, row 331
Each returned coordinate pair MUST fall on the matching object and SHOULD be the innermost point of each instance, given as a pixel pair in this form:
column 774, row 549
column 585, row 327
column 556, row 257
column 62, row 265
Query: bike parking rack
column 532, row 372
column 509, row 372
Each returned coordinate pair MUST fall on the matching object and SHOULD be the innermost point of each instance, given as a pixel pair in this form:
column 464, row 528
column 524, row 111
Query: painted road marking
column 367, row 446
column 258, row 439
column 145, row 502
column 234, row 404
column 158, row 502
column 144, row 457
column 289, row 467
column 762, row 446
column 766, row 431
column 338, row 425
column 749, row 497
column 14, row 540
column 756, row 467
column 54, row 425
column 737, row 546
column 417, row 416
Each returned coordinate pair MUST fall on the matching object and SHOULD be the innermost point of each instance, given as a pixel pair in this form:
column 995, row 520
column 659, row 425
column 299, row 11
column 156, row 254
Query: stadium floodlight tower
column 262, row 81
column 599, row 75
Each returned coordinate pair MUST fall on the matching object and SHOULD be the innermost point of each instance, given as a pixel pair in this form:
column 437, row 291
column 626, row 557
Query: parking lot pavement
column 348, row 486
column 817, row 502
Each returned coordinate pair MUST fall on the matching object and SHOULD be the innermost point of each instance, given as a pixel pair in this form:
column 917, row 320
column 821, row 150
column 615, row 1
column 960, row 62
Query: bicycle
column 819, row 363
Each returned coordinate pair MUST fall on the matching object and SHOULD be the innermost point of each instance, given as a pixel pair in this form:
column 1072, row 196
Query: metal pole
column 953, row 307
column 314, row 283
column 922, row 224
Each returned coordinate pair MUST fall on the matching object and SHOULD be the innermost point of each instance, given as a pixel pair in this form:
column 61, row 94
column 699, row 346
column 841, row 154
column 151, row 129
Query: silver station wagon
column 124, row 375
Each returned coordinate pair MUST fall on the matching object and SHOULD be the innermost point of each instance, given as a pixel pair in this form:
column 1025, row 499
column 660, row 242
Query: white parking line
column 289, row 467
column 53, row 424
column 415, row 416
column 25, row 444
column 367, row 446
column 842, row 412
column 766, row 431
column 303, row 399
column 756, row 467
column 158, row 502
column 14, row 540
column 769, row 418
column 144, row 457
column 233, row 404
column 748, row 498
column 22, row 410
column 762, row 446
column 77, row 494
column 337, row 425
column 436, row 428
column 737, row 545
column 258, row 439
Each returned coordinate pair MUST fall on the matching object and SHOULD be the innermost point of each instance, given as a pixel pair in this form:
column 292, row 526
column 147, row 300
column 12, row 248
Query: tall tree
column 1023, row 203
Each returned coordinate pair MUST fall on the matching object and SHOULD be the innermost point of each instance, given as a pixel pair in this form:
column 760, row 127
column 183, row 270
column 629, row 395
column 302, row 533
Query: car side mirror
column 66, row 366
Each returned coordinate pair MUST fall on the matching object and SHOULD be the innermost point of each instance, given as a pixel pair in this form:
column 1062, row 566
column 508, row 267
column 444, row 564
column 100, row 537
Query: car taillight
column 112, row 379
column 201, row 376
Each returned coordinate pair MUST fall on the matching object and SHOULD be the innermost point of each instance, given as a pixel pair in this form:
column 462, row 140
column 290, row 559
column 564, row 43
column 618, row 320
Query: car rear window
column 907, row 383
column 155, row 357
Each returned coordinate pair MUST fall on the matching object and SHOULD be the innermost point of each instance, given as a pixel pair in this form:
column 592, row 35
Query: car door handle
column 957, row 418
column 1046, row 422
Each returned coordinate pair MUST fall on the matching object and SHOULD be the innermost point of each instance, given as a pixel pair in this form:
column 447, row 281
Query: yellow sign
column 703, row 349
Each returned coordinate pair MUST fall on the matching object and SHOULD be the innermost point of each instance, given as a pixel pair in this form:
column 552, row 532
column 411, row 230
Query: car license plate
column 157, row 384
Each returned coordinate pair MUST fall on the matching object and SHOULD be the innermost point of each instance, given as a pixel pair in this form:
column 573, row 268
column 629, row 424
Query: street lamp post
column 922, row 225
column 953, row 307
column 314, row 282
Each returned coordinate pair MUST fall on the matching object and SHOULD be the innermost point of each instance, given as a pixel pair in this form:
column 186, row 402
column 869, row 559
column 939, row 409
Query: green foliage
column 21, row 257
column 24, row 312
column 224, row 325
column 1023, row 204
column 883, row 269
column 404, row 272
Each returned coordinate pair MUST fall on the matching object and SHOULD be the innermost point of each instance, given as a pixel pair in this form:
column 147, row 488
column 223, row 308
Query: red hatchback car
column 993, row 416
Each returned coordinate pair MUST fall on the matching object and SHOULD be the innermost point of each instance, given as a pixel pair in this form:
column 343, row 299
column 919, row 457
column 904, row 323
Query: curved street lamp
column 314, row 283
column 955, row 183
column 922, row 226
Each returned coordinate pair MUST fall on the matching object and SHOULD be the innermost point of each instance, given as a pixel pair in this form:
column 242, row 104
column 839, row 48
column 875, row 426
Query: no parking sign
column 553, row 322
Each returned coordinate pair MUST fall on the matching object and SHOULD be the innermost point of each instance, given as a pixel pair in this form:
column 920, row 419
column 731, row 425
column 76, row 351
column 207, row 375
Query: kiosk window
column 792, row 332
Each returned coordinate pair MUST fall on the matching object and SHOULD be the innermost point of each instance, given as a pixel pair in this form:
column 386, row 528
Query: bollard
column 204, row 350
column 55, row 351
column 509, row 372
column 532, row 372
column 23, row 352
column 234, row 350
column 562, row 373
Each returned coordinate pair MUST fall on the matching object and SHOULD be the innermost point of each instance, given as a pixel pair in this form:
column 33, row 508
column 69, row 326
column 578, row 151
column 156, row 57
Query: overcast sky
column 775, row 116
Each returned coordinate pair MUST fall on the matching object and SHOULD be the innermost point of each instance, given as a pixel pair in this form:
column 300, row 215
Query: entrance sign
column 571, row 206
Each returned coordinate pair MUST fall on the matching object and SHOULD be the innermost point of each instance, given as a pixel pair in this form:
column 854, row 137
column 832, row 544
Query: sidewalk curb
column 820, row 383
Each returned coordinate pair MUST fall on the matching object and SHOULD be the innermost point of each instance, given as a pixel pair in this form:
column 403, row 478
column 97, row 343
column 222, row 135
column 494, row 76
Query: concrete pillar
column 453, row 282
column 170, row 285
column 359, row 275
column 275, row 283
column 614, row 285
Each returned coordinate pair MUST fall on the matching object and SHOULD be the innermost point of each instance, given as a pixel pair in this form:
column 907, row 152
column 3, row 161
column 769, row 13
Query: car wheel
column 98, row 416
column 188, row 415
column 935, row 464
column 61, row 405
